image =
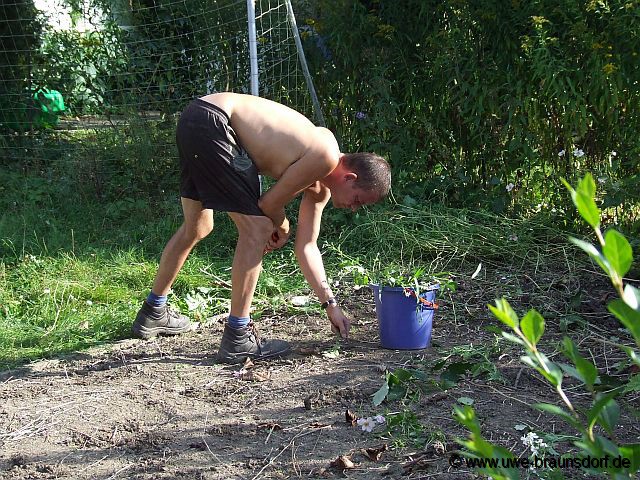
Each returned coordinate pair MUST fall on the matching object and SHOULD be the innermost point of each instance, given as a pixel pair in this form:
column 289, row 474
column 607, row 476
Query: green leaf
column 466, row 416
column 593, row 253
column 632, row 452
column 631, row 296
column 587, row 372
column 632, row 354
column 513, row 338
column 618, row 252
column 583, row 199
column 609, row 416
column 532, row 326
column 551, row 373
column 505, row 313
column 602, row 403
column 466, row 400
column 381, row 394
column 454, row 372
column 629, row 317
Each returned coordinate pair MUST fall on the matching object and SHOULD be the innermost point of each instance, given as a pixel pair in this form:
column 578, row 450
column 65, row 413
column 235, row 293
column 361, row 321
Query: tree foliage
column 468, row 97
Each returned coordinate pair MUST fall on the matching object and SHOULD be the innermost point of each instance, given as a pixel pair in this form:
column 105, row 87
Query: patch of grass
column 405, row 429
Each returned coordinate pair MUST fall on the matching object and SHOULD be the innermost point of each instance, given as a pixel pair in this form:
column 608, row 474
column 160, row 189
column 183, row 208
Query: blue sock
column 156, row 300
column 238, row 322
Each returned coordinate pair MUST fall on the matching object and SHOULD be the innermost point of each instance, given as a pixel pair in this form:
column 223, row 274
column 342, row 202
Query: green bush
column 597, row 423
column 475, row 101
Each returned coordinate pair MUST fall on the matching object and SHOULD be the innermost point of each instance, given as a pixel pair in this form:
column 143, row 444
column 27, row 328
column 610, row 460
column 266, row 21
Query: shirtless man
column 225, row 141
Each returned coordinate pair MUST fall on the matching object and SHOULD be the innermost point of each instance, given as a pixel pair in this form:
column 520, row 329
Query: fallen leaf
column 350, row 417
column 343, row 462
column 248, row 364
column 256, row 376
column 375, row 453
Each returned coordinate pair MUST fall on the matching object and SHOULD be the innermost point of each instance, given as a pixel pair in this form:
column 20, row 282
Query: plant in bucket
column 405, row 305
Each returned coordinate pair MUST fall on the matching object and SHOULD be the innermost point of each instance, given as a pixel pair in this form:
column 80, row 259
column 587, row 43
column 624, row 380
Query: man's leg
column 253, row 235
column 198, row 223
column 239, row 340
column 155, row 317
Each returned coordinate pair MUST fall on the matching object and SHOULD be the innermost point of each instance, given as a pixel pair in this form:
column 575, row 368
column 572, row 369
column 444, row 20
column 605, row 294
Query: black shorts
column 214, row 168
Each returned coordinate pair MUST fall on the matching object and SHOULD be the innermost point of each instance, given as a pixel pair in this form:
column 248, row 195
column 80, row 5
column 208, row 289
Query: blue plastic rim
column 404, row 323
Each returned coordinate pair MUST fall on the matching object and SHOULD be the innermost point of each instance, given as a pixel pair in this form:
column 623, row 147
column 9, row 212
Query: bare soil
column 163, row 409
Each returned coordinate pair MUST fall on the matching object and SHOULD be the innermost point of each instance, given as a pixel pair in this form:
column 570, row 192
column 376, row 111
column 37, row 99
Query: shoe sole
column 146, row 333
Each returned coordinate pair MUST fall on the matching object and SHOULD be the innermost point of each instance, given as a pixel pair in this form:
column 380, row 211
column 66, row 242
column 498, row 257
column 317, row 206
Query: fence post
column 253, row 46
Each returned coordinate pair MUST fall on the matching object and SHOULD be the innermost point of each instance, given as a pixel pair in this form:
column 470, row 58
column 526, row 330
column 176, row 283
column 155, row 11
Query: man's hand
column 339, row 321
column 279, row 237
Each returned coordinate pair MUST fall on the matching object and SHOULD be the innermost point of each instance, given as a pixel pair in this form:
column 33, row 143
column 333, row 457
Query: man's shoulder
column 326, row 143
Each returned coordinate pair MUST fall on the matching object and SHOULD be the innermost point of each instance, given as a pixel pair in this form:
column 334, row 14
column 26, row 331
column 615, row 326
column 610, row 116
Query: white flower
column 561, row 153
column 529, row 439
column 367, row 424
column 89, row 302
column 534, row 442
column 614, row 153
column 513, row 238
column 46, row 291
column 510, row 187
column 380, row 419
column 578, row 153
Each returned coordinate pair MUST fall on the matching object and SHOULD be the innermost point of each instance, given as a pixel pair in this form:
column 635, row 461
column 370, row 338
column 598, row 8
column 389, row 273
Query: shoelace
column 256, row 334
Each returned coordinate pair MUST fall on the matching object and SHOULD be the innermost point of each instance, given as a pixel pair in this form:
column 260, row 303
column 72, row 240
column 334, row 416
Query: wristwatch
column 330, row 301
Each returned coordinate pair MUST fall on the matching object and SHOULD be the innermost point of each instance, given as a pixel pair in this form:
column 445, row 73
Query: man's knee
column 255, row 234
column 195, row 233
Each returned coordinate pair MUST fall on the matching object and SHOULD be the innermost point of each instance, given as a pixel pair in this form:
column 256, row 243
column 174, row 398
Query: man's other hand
column 279, row 237
column 339, row 321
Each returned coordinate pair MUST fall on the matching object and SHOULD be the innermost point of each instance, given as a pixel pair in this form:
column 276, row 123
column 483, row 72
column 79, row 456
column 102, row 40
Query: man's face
column 346, row 195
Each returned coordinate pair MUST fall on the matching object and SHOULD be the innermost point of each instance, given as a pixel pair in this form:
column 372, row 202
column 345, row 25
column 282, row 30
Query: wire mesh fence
column 92, row 80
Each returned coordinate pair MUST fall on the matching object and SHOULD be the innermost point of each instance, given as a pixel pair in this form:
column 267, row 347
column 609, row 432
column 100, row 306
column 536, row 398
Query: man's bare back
column 276, row 136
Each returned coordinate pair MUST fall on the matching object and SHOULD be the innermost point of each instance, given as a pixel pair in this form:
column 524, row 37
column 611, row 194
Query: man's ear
column 350, row 176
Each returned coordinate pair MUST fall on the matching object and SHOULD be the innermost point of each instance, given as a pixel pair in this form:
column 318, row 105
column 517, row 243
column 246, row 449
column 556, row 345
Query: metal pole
column 305, row 68
column 253, row 46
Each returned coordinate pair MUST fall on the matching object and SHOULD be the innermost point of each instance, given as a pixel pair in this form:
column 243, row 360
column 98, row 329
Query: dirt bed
column 163, row 409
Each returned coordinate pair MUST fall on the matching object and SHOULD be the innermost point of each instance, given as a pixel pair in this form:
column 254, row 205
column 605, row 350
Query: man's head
column 360, row 179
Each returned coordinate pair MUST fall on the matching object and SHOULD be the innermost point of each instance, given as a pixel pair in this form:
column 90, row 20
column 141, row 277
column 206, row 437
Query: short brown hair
column 373, row 171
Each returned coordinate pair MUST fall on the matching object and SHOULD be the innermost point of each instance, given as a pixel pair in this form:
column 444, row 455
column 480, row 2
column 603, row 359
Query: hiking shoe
column 152, row 321
column 239, row 343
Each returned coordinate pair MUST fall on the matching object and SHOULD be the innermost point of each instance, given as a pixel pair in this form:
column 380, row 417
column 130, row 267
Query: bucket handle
column 410, row 292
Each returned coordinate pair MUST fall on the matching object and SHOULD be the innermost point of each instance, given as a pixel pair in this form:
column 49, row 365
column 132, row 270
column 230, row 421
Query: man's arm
column 308, row 254
column 295, row 179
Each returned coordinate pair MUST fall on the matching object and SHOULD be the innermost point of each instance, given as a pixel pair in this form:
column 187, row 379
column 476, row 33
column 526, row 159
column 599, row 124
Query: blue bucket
column 405, row 323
